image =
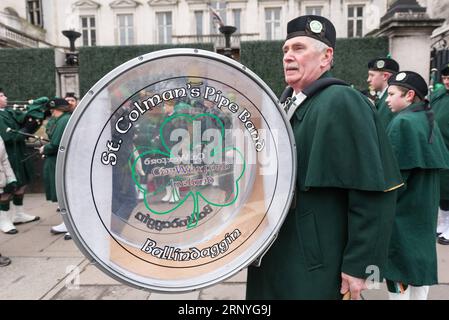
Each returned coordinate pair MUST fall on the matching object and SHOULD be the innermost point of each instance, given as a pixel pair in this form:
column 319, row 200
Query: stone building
column 38, row 23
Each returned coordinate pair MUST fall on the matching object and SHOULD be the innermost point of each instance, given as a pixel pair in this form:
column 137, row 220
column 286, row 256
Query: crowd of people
column 16, row 171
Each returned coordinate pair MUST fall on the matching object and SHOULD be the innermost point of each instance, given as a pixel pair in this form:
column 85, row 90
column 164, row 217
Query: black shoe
column 4, row 261
column 12, row 231
column 443, row 241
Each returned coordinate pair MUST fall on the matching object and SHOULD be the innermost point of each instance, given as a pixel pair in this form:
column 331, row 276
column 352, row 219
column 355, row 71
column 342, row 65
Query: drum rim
column 71, row 126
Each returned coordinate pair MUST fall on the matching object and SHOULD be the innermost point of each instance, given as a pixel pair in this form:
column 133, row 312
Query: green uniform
column 343, row 215
column 440, row 105
column 385, row 114
column 55, row 128
column 412, row 255
column 15, row 147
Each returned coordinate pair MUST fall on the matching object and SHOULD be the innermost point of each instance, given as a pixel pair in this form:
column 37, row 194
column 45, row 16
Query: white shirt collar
column 298, row 98
column 380, row 94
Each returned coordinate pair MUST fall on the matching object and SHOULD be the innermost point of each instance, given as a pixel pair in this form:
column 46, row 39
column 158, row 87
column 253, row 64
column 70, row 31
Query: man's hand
column 41, row 149
column 353, row 285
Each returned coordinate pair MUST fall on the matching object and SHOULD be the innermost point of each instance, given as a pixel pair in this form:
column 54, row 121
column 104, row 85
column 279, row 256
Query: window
column 164, row 27
column 34, row 8
column 220, row 8
column 199, row 23
column 236, row 13
column 273, row 23
column 355, row 21
column 316, row 10
column 125, row 29
column 89, row 36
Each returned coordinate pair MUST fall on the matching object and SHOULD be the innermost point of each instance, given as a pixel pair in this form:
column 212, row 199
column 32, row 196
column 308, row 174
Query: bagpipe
column 37, row 139
column 29, row 118
column 31, row 115
column 28, row 135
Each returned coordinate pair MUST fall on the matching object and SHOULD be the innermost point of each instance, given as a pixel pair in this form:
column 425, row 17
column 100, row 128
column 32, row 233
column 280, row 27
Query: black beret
column 410, row 80
column 383, row 64
column 315, row 27
column 445, row 70
column 56, row 103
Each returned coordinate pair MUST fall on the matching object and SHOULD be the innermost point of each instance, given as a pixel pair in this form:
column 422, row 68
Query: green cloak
column 440, row 105
column 345, row 206
column 55, row 128
column 412, row 255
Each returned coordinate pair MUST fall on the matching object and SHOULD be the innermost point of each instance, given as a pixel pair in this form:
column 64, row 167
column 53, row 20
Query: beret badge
column 380, row 64
column 401, row 76
column 316, row 26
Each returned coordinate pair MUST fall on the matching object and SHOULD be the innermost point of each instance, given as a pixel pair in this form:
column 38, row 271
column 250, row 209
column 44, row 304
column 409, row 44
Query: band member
column 421, row 153
column 341, row 223
column 72, row 100
column 8, row 183
column 60, row 115
column 15, row 148
column 379, row 71
column 36, row 112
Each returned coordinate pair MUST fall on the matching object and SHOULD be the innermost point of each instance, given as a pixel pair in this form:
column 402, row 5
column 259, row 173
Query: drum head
column 176, row 170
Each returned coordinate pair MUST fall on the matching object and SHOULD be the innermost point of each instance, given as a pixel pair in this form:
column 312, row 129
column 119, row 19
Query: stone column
column 67, row 67
column 68, row 81
column 408, row 28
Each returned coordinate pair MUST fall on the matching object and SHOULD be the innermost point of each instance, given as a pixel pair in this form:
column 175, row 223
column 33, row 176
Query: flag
column 216, row 17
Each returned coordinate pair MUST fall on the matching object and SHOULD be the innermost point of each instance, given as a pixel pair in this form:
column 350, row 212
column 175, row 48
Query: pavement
column 47, row 267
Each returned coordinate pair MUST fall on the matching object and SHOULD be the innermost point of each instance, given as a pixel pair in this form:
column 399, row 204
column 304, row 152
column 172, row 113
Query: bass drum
column 176, row 170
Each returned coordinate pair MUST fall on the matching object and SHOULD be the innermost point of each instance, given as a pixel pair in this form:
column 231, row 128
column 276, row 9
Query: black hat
column 383, row 64
column 410, row 80
column 57, row 103
column 445, row 70
column 70, row 95
column 315, row 27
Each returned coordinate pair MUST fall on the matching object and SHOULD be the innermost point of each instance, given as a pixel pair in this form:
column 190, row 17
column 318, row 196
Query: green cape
column 409, row 133
column 341, row 116
column 440, row 105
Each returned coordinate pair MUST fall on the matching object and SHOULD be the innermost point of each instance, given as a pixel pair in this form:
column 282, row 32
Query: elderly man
column 337, row 233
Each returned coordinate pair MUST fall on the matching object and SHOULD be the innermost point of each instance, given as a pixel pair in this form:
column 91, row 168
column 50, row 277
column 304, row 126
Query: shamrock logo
column 180, row 164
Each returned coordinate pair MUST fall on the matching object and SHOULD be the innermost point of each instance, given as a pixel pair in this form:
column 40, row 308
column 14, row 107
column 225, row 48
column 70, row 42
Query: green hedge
column 351, row 60
column 96, row 62
column 27, row 73
column 265, row 59
column 352, row 56
column 30, row 73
